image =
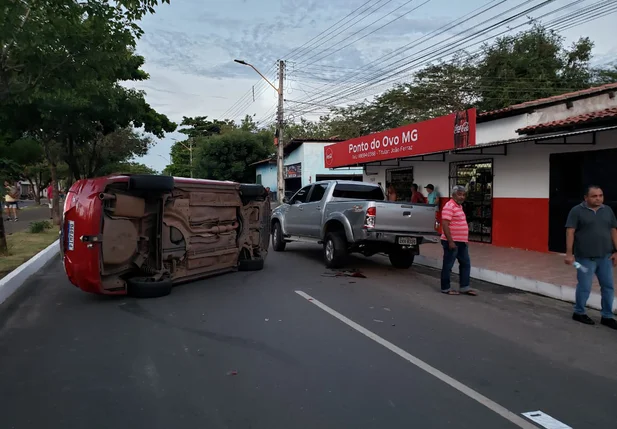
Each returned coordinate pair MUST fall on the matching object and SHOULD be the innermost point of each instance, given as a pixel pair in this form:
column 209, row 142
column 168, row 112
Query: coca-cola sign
column 422, row 138
column 464, row 128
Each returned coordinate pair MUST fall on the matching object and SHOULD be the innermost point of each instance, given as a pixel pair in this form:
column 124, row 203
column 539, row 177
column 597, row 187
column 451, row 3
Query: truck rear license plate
column 408, row 241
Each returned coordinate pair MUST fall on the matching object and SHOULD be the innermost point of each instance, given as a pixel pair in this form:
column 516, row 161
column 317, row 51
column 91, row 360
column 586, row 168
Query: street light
column 190, row 149
column 280, row 182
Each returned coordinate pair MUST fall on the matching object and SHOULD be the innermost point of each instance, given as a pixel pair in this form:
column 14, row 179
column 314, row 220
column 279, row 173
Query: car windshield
column 358, row 192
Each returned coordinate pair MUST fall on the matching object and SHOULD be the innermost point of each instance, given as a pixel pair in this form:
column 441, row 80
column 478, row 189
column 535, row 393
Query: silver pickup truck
column 346, row 216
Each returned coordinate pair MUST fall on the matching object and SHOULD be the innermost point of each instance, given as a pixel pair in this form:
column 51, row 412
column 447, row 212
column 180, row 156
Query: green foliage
column 512, row 69
column 530, row 65
column 39, row 227
column 126, row 168
column 228, row 156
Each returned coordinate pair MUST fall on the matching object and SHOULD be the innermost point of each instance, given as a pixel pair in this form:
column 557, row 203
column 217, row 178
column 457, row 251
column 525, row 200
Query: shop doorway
column 292, row 185
column 401, row 179
column 569, row 174
column 477, row 178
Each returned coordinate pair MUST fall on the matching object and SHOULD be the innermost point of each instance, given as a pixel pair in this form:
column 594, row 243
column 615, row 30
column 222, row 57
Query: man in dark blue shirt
column 591, row 240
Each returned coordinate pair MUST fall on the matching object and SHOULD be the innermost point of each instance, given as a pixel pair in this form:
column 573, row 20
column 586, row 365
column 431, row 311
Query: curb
column 560, row 292
column 16, row 278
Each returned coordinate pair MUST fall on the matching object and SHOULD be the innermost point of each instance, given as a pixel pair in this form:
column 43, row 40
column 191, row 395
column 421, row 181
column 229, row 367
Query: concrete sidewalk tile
column 535, row 272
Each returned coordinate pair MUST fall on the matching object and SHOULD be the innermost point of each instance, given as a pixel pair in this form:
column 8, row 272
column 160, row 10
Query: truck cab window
column 300, row 196
column 318, row 192
column 358, row 192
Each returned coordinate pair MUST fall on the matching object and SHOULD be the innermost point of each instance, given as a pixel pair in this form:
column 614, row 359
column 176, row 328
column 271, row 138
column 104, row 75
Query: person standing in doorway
column 416, row 195
column 431, row 194
column 454, row 240
column 591, row 240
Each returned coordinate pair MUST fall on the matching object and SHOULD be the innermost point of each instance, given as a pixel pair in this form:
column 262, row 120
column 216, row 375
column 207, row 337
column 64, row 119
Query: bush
column 40, row 226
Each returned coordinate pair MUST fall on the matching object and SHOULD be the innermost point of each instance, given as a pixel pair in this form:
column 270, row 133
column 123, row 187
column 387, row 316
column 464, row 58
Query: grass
column 24, row 245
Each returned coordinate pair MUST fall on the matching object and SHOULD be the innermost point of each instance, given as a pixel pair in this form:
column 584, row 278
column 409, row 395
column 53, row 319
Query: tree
column 530, row 65
column 228, row 156
column 78, row 98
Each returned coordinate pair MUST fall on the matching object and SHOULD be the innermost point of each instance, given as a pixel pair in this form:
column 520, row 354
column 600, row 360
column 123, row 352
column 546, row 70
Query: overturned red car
column 143, row 234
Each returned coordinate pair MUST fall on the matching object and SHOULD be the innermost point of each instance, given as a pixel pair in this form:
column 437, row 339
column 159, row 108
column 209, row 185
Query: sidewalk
column 535, row 272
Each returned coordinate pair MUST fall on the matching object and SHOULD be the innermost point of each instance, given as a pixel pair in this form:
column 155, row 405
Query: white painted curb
column 16, row 278
column 560, row 292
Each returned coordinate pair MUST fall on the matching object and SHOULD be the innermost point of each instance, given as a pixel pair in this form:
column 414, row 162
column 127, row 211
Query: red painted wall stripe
column 521, row 223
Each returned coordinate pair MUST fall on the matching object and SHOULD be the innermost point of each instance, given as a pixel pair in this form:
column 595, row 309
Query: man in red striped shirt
column 455, row 240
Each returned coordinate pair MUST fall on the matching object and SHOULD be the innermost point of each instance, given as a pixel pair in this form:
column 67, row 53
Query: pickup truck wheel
column 144, row 287
column 151, row 183
column 250, row 264
column 278, row 242
column 401, row 258
column 335, row 250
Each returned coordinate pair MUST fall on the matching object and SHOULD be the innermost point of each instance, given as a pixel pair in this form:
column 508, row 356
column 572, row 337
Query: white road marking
column 545, row 420
column 483, row 400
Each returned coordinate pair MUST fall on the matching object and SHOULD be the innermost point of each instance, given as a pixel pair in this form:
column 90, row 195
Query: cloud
column 190, row 46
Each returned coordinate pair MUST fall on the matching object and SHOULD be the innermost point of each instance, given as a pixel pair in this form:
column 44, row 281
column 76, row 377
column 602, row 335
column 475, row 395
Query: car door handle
column 300, row 208
column 318, row 208
column 406, row 213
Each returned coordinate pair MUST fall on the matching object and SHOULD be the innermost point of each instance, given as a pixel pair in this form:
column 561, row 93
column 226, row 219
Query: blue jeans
column 603, row 269
column 461, row 253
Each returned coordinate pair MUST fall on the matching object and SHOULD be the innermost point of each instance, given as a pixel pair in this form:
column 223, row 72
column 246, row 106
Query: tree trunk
column 55, row 201
column 4, row 248
column 35, row 191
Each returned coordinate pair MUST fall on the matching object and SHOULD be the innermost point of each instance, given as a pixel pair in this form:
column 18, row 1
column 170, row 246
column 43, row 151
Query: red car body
column 114, row 225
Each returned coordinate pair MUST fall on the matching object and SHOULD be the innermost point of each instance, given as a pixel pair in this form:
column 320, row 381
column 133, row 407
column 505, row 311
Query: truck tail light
column 369, row 221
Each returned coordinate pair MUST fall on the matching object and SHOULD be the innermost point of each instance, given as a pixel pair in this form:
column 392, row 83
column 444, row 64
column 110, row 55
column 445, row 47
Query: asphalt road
column 244, row 350
column 29, row 213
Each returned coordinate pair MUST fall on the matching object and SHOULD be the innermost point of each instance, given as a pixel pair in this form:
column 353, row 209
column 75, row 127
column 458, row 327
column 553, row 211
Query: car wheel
column 251, row 264
column 335, row 250
column 278, row 242
column 144, row 287
column 401, row 258
column 252, row 190
column 151, row 183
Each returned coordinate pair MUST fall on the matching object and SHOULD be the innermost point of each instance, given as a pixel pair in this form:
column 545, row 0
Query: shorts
column 9, row 204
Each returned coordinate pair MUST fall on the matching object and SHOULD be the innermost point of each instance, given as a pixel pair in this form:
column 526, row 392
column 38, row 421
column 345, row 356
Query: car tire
column 402, row 259
column 151, row 183
column 252, row 191
column 251, row 264
column 278, row 242
column 144, row 287
column 335, row 250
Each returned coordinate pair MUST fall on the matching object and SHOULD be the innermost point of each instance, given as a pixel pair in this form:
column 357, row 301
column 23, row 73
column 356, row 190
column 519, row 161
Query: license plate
column 70, row 235
column 408, row 241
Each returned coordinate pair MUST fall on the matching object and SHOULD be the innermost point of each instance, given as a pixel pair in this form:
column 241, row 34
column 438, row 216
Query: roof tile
column 573, row 120
column 548, row 100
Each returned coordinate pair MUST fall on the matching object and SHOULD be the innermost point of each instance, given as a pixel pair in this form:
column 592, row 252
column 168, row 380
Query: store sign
column 454, row 131
column 293, row 171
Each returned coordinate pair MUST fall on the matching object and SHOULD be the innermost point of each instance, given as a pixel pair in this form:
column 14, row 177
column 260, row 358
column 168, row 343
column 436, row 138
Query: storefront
column 524, row 167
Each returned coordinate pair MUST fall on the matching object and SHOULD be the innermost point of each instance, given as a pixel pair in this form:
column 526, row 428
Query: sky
column 336, row 51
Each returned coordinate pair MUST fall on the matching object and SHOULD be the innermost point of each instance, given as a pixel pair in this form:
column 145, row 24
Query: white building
column 528, row 167
column 304, row 164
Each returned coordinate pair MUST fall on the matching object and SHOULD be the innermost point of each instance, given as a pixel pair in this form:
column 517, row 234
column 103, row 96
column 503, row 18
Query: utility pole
column 280, row 179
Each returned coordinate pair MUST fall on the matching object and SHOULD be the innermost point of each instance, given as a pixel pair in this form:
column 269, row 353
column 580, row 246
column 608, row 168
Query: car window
column 318, row 192
column 358, row 192
column 300, row 196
